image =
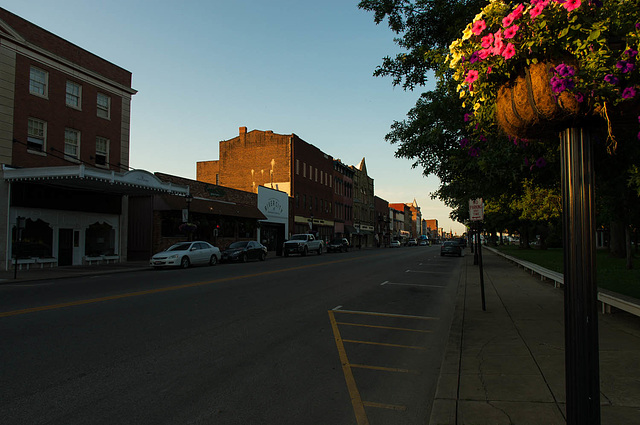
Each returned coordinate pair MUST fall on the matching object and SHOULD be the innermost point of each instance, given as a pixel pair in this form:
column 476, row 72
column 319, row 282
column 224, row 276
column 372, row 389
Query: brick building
column 382, row 222
column 64, row 148
column 343, row 199
column 363, row 206
column 403, row 230
column 283, row 162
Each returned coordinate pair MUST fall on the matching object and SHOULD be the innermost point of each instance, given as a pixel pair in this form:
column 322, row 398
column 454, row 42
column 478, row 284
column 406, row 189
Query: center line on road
column 411, row 284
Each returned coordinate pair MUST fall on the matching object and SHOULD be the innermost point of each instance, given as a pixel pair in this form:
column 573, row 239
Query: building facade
column 382, row 222
column 343, row 199
column 282, row 162
column 65, row 181
column 363, row 207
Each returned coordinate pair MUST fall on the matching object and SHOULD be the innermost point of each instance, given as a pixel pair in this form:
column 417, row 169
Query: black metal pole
column 580, row 299
column 479, row 251
column 475, row 252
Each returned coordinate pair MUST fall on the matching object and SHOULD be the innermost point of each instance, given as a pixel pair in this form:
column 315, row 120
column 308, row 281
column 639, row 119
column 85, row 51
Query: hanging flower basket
column 188, row 228
column 534, row 68
column 528, row 107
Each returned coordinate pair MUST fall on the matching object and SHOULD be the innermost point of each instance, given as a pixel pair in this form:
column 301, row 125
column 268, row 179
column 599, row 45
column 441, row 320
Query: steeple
column 363, row 166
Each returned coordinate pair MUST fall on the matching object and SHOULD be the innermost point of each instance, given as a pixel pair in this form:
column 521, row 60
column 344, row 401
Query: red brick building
column 382, row 221
column 64, row 148
column 280, row 161
column 343, row 199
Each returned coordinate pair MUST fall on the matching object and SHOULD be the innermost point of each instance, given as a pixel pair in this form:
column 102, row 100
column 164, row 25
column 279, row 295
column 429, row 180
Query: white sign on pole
column 476, row 209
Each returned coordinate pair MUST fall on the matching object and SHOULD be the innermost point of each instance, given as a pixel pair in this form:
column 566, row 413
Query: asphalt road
column 346, row 338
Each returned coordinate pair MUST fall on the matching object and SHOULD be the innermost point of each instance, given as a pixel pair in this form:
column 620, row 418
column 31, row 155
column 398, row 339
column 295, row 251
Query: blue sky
column 205, row 68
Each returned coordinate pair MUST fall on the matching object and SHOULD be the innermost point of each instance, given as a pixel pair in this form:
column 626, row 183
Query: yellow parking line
column 385, row 406
column 356, row 400
column 385, row 369
column 384, row 344
column 159, row 290
column 373, row 313
column 384, row 327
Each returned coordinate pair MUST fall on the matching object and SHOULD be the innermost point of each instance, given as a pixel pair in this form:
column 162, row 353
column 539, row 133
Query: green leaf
column 564, row 32
column 594, row 34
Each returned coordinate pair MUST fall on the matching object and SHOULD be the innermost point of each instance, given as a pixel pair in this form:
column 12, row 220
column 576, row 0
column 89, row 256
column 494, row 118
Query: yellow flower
column 462, row 94
column 466, row 34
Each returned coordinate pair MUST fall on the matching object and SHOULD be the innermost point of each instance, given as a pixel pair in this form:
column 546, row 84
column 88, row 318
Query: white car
column 184, row 254
column 394, row 244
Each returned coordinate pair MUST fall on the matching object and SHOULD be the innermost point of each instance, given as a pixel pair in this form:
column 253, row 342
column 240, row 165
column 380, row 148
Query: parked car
column 412, row 242
column 451, row 248
column 462, row 242
column 394, row 244
column 185, row 254
column 244, row 251
column 423, row 242
column 302, row 244
column 338, row 245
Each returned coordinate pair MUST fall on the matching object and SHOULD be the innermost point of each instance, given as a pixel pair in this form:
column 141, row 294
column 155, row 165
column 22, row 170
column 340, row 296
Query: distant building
column 343, row 199
column 363, row 206
column 382, row 222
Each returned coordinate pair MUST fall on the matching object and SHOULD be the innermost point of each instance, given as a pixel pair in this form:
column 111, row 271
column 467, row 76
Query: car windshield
column 336, row 241
column 450, row 243
column 179, row 247
column 240, row 244
column 299, row 237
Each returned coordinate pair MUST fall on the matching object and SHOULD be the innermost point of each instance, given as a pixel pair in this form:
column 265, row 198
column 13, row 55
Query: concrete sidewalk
column 47, row 273
column 505, row 365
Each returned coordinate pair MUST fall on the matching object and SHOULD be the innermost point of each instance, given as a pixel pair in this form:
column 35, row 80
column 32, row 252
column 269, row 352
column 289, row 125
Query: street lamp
column 188, row 198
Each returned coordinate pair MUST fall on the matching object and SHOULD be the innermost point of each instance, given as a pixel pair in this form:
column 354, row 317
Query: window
column 74, row 95
column 217, row 179
column 71, row 143
column 38, row 82
column 36, row 135
column 297, row 166
column 304, row 169
column 102, row 151
column 104, row 106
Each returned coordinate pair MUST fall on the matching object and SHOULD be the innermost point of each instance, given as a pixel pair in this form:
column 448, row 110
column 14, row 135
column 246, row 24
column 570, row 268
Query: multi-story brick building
column 343, row 199
column 280, row 161
column 382, row 222
column 64, row 150
column 363, row 206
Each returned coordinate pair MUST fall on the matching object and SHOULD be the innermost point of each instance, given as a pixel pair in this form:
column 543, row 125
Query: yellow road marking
column 356, row 400
column 385, row 369
column 384, row 327
column 371, row 313
column 385, row 406
column 384, row 344
column 159, row 290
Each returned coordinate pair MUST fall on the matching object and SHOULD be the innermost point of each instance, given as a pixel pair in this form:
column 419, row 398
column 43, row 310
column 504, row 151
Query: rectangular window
column 102, row 151
column 104, row 106
column 74, row 95
column 71, row 143
column 304, row 170
column 36, row 135
column 316, row 174
column 297, row 166
column 38, row 82
column 217, row 179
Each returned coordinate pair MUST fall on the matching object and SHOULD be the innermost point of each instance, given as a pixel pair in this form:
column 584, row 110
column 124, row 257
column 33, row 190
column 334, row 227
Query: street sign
column 476, row 209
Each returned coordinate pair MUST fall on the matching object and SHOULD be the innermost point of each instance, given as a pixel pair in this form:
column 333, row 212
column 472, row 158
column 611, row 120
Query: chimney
column 243, row 130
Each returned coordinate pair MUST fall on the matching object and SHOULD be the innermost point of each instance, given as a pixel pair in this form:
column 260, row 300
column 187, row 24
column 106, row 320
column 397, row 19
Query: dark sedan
column 245, row 250
column 451, row 248
column 338, row 245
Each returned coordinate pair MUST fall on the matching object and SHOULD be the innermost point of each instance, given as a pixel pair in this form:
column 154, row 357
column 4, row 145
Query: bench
column 52, row 262
column 607, row 298
column 26, row 262
column 92, row 260
column 114, row 258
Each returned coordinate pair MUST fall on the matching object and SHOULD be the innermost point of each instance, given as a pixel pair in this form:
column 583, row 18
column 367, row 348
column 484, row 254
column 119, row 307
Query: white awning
column 134, row 182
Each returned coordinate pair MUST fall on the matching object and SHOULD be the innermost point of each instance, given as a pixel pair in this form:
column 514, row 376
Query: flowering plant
column 188, row 227
column 592, row 47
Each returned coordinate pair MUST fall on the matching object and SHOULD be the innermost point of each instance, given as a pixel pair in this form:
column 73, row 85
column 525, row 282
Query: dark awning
column 210, row 206
column 350, row 229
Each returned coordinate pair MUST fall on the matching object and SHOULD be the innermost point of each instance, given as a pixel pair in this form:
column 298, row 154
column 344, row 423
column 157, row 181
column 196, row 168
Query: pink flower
column 484, row 53
column 498, row 44
column 487, row 41
column 537, row 10
column 507, row 20
column 509, row 51
column 511, row 31
column 489, row 69
column 517, row 12
column 572, row 4
column 478, row 27
column 471, row 76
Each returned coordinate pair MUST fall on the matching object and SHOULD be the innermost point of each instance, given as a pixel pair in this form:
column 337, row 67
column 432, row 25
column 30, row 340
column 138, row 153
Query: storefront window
column 37, row 240
column 100, row 239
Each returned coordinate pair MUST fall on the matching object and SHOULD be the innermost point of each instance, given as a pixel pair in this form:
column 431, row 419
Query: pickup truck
column 302, row 244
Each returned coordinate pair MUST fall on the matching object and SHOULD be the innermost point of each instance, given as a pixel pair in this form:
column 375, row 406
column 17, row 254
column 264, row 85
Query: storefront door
column 65, row 247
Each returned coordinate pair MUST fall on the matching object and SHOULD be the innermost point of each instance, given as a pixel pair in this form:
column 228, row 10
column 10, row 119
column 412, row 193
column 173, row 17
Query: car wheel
column 286, row 253
column 185, row 263
column 320, row 251
column 441, row 254
column 213, row 260
column 304, row 252
column 263, row 256
column 243, row 258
